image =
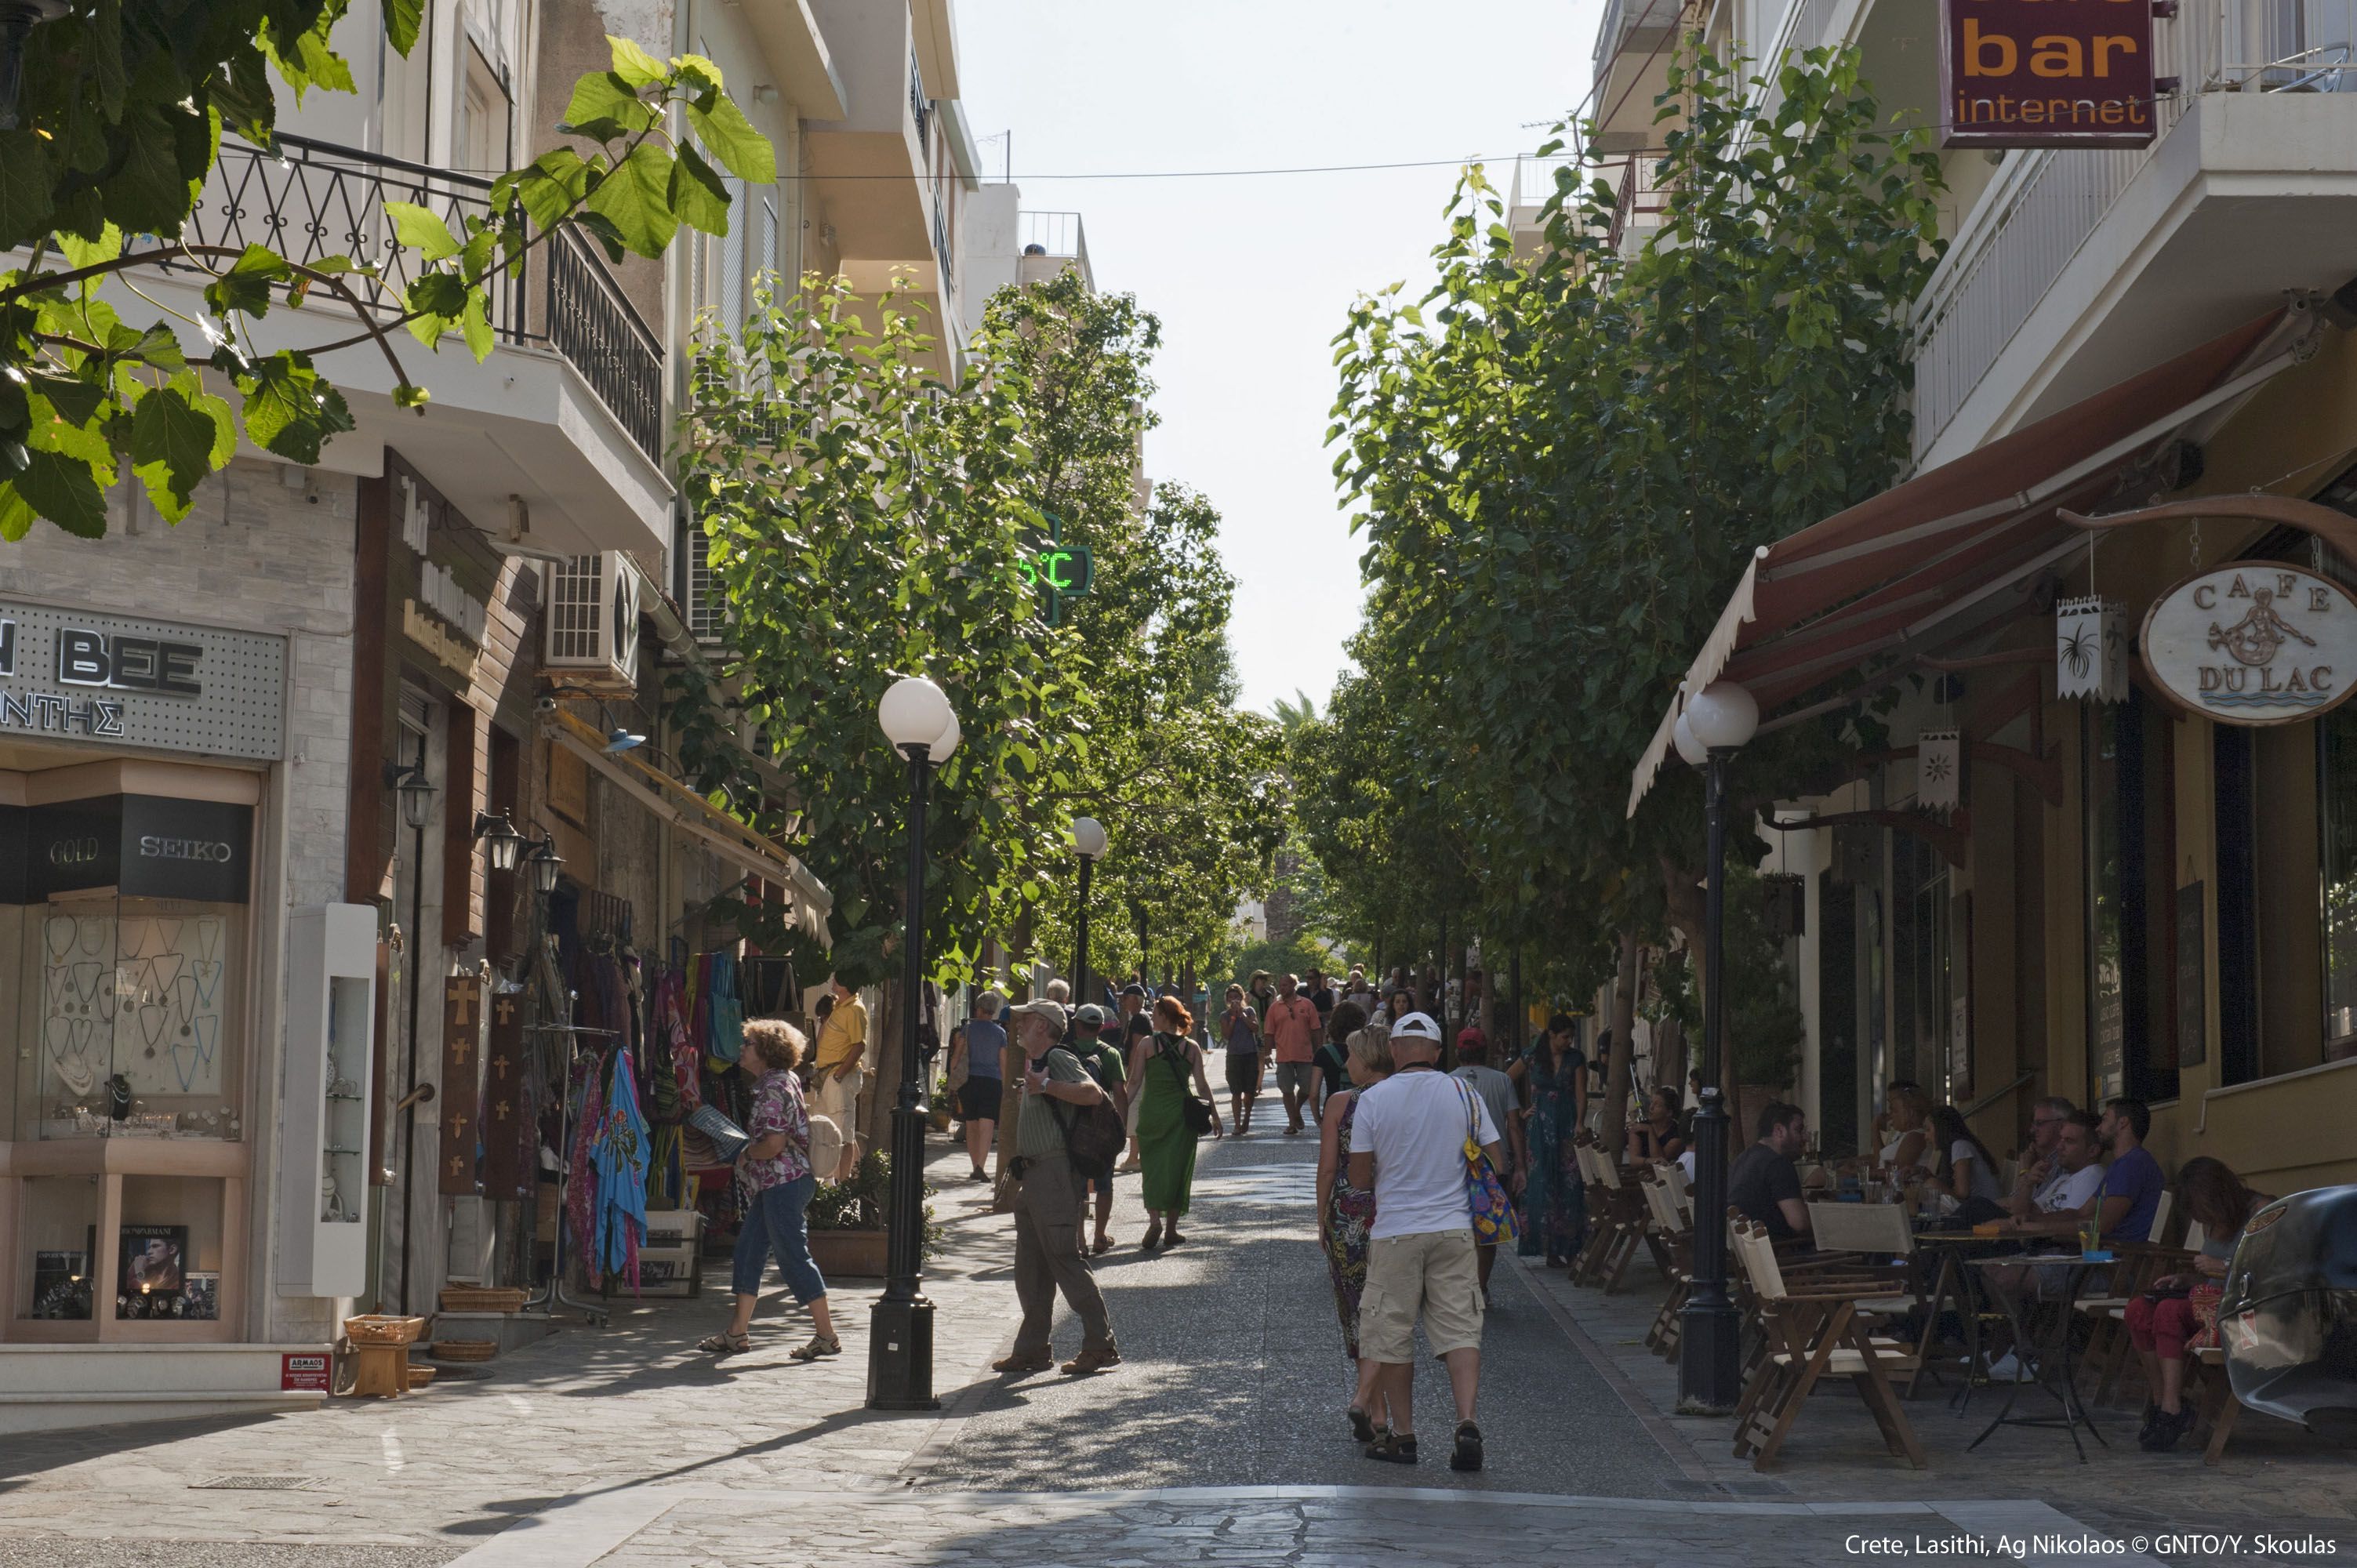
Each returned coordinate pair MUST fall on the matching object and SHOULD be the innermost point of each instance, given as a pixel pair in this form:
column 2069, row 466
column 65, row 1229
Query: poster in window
column 153, row 1271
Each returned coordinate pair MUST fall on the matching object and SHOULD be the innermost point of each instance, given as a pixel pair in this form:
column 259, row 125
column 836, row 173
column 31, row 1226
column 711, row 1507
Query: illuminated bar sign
column 2047, row 73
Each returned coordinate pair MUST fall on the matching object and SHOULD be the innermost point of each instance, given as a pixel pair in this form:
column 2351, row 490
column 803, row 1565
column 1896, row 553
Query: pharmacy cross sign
column 1058, row 570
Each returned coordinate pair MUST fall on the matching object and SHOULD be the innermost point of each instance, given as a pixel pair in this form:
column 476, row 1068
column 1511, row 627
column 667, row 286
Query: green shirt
column 1036, row 1132
column 1103, row 1063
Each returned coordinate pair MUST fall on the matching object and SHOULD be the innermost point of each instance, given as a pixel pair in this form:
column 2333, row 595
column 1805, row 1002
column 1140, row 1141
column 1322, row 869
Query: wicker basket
column 376, row 1329
column 464, row 1349
column 480, row 1298
column 420, row 1375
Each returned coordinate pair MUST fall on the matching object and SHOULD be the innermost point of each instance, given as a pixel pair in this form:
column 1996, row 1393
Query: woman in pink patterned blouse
column 775, row 1171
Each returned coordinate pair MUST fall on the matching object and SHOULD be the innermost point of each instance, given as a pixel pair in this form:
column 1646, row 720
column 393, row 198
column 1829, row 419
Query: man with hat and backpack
column 1103, row 1063
column 1057, row 1096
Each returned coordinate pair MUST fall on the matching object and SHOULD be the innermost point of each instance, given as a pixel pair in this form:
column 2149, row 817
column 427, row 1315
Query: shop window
column 2336, row 793
column 137, row 1006
column 2238, row 916
column 2128, row 899
column 57, row 1275
column 168, row 1251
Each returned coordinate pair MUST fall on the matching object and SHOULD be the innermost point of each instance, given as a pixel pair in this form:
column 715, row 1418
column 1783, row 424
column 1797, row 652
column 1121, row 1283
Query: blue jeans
column 774, row 1225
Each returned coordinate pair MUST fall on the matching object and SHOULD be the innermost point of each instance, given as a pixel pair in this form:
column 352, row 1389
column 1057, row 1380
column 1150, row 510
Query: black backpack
column 1094, row 1136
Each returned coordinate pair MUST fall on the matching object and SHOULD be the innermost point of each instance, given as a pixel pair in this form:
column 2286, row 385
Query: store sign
column 144, row 847
column 68, row 675
column 2254, row 643
column 303, row 1373
column 2047, row 73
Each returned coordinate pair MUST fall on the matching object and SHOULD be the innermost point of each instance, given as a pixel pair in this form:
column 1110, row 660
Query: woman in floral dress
column 1554, row 1073
column 1345, row 1213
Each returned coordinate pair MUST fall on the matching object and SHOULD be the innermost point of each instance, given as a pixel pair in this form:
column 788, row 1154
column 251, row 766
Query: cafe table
column 2054, row 1375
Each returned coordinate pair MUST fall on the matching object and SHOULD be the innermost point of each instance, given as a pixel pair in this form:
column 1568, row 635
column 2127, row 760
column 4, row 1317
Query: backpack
column 1094, row 1136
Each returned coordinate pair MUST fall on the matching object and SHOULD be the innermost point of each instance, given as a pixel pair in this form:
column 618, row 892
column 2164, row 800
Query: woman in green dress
column 1159, row 1067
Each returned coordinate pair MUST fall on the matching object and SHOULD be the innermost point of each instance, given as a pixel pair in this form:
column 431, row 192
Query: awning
column 690, row 812
column 1927, row 561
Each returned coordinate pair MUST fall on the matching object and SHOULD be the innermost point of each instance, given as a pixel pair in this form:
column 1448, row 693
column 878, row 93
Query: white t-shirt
column 1984, row 1179
column 2072, row 1191
column 1415, row 1124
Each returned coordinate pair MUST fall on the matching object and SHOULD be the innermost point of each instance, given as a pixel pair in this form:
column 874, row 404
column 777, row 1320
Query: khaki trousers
column 1047, row 1258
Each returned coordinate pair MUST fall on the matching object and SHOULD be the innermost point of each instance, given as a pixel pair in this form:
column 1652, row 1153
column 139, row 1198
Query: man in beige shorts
column 839, row 1071
column 1407, row 1143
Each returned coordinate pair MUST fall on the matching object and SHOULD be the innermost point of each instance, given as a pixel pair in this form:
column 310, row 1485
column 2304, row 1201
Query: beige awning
column 674, row 802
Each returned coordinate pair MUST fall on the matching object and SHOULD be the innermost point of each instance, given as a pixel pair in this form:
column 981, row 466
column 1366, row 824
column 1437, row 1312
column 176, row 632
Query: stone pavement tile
column 584, row 1412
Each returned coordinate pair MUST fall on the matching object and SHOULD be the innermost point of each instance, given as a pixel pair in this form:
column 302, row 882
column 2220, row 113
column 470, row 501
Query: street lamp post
column 922, row 727
column 1088, row 840
column 1717, row 721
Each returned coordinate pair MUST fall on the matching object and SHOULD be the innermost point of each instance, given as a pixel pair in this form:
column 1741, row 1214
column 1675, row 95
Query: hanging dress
column 618, row 1155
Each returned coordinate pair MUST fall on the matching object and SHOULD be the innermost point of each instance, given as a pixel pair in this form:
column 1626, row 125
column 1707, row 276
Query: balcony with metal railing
column 1049, row 243
column 311, row 200
column 2079, row 266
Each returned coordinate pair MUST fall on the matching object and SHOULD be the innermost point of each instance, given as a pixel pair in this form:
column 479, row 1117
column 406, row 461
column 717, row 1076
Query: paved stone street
column 1220, row 1440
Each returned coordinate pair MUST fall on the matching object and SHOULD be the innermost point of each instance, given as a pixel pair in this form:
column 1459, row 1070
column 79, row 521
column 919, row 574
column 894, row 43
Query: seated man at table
column 1764, row 1184
column 2041, row 1173
column 2132, row 1184
column 2062, row 1206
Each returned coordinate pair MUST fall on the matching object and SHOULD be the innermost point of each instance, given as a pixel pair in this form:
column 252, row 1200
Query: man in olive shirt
column 1048, row 1203
column 1102, row 1063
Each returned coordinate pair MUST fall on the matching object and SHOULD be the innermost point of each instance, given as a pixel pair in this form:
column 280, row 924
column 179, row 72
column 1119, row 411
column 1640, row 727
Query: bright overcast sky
column 1252, row 277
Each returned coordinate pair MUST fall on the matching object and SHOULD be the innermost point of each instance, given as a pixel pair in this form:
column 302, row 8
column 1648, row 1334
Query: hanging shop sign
column 2036, row 73
column 68, row 675
column 2254, row 643
column 2091, row 650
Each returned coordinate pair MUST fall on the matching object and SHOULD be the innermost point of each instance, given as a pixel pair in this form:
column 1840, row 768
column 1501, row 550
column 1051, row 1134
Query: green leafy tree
column 1566, row 460
column 123, row 107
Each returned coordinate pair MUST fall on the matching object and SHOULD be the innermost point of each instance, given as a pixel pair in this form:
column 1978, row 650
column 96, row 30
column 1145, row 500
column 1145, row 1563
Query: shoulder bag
column 1485, row 1195
column 1201, row 1115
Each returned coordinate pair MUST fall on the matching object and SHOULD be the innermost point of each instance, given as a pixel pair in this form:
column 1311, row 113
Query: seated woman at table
column 2180, row 1311
column 1660, row 1138
column 1965, row 1170
column 1905, row 1128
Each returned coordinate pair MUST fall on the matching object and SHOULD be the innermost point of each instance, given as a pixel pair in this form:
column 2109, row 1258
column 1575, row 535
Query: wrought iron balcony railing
column 314, row 199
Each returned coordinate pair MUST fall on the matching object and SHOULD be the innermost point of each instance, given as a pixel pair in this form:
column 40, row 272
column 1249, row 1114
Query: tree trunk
column 1611, row 1126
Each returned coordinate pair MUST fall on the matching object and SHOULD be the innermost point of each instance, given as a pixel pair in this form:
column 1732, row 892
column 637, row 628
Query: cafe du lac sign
column 2254, row 643
column 2047, row 73
column 71, row 675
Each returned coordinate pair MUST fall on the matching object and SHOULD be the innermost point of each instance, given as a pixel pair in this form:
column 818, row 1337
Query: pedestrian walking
column 1161, row 1067
column 1047, row 1255
column 1345, row 1214
column 1407, row 1144
column 981, row 1054
column 841, row 1069
column 776, row 1171
column 1130, row 1021
column 1292, row 1030
column 1333, row 1058
column 1246, row 1057
column 1103, row 1063
column 1502, row 1100
column 1553, row 1074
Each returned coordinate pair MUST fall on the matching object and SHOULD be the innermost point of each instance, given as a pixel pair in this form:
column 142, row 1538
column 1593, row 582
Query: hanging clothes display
column 588, row 1092
column 725, row 1010
column 617, row 1155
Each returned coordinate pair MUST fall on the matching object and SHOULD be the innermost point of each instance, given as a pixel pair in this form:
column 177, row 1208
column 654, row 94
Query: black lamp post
column 1717, row 721
column 922, row 727
column 1088, row 840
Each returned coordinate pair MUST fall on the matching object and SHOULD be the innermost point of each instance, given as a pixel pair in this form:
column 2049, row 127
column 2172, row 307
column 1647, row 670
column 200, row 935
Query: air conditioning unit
column 593, row 621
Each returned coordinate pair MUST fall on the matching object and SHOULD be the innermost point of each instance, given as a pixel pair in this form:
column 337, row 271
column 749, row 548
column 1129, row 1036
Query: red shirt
column 1293, row 1028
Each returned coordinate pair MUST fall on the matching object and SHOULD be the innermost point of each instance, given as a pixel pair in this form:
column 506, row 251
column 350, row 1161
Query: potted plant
column 846, row 1220
column 939, row 1116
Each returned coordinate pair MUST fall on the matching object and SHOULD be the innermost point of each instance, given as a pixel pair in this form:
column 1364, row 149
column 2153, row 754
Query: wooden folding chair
column 1600, row 1236
column 1624, row 1228
column 2139, row 1264
column 2220, row 1408
column 1811, row 1334
column 1674, row 1242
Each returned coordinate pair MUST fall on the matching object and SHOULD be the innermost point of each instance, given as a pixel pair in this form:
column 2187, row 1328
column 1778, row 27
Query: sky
column 1253, row 277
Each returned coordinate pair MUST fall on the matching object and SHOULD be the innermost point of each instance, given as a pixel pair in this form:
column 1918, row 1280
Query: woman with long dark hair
column 1160, row 1068
column 2180, row 1311
column 1965, row 1170
column 1552, row 1076
column 1660, row 1138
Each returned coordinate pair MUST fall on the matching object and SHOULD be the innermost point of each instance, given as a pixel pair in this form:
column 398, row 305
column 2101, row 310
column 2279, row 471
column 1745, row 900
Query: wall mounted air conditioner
column 593, row 621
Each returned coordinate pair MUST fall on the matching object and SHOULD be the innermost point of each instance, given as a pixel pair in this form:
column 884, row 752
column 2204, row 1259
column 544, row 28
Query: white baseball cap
column 1416, row 1026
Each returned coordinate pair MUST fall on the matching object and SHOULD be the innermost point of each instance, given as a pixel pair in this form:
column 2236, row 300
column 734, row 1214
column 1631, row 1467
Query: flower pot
column 849, row 1254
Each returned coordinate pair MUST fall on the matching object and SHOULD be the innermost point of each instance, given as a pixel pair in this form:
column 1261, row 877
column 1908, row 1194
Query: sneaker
column 1018, row 1363
column 1089, row 1362
column 2012, row 1368
column 2165, row 1430
column 1468, row 1454
column 1391, row 1448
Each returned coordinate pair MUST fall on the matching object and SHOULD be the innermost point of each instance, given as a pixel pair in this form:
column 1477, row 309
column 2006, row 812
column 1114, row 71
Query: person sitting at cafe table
column 2062, row 1203
column 1905, row 1130
column 2040, row 1171
column 1968, row 1171
column 2181, row 1309
column 1764, row 1184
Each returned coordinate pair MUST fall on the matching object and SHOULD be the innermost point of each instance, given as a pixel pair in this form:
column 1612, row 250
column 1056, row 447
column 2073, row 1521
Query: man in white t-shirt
column 1408, row 1143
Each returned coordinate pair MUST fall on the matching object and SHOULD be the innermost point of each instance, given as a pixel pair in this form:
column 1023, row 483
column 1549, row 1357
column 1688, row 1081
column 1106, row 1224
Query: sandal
column 724, row 1344
column 1100, row 1247
column 1362, row 1428
column 819, row 1345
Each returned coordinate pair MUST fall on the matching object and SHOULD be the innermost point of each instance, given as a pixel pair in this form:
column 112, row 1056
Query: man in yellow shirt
column 838, row 1071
